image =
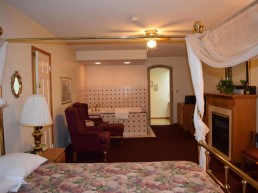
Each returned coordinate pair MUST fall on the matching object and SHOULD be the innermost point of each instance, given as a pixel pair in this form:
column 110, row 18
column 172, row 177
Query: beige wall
column 136, row 75
column 211, row 77
column 15, row 25
column 116, row 75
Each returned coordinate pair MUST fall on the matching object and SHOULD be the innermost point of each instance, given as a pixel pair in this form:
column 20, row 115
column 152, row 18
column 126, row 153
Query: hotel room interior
column 56, row 53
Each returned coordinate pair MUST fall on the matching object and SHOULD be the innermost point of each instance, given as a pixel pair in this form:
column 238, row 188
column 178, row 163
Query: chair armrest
column 94, row 128
column 88, row 133
column 103, row 124
column 96, row 120
column 104, row 136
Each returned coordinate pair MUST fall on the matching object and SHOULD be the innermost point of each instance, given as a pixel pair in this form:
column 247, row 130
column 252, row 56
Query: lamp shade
column 35, row 112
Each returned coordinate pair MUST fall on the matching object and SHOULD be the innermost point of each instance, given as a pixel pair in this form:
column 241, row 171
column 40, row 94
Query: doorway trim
column 170, row 86
column 34, row 85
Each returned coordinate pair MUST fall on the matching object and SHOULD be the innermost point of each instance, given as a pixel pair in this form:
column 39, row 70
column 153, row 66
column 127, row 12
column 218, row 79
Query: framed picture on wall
column 155, row 87
column 66, row 90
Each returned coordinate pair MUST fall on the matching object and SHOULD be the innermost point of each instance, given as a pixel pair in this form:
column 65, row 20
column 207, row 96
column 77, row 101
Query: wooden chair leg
column 257, row 172
column 105, row 156
column 74, row 156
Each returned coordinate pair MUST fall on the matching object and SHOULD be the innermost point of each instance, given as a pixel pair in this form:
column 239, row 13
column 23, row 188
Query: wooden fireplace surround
column 243, row 109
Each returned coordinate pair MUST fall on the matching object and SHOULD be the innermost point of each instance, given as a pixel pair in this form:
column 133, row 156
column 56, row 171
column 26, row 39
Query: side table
column 56, row 155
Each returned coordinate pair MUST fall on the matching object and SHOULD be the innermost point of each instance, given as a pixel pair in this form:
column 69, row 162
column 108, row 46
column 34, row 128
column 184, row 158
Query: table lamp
column 35, row 113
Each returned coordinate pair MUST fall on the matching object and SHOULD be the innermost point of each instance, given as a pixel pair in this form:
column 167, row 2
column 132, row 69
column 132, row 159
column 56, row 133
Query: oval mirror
column 16, row 84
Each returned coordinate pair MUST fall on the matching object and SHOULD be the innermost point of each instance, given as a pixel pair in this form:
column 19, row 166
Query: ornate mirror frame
column 16, row 84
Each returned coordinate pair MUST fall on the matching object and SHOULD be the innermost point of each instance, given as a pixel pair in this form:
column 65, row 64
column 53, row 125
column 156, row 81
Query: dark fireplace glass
column 220, row 132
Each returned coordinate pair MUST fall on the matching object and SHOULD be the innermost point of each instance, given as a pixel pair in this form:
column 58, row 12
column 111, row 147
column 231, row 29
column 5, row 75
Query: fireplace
column 220, row 130
column 240, row 111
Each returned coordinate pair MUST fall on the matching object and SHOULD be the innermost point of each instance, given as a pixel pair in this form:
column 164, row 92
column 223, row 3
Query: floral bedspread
column 148, row 177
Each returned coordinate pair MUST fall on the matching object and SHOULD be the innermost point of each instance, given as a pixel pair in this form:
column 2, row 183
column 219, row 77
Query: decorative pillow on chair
column 17, row 166
column 89, row 123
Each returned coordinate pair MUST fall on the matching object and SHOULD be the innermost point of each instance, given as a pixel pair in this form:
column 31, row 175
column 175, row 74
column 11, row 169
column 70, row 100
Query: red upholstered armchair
column 85, row 138
column 115, row 129
column 84, row 106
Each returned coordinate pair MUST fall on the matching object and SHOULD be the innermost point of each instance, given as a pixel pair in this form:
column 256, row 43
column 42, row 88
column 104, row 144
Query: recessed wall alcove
column 170, row 86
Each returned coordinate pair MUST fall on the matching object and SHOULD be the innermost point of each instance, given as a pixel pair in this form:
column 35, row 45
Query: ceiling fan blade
column 179, row 31
column 173, row 23
column 123, row 31
column 139, row 24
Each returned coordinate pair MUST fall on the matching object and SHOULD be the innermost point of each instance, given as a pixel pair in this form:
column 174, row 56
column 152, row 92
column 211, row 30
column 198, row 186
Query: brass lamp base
column 37, row 134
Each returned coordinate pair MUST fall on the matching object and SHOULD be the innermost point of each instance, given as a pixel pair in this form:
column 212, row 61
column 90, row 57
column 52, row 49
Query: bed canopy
column 228, row 44
column 232, row 42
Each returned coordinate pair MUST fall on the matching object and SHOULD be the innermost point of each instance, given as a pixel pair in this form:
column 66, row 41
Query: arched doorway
column 151, row 86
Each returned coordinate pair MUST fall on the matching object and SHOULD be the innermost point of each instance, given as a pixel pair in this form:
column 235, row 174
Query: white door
column 42, row 79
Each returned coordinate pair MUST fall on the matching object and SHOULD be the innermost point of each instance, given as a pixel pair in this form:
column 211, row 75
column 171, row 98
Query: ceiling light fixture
column 127, row 62
column 134, row 18
column 151, row 43
column 97, row 62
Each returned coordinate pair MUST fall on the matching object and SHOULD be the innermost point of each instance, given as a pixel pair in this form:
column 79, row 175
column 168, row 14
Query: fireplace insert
column 220, row 132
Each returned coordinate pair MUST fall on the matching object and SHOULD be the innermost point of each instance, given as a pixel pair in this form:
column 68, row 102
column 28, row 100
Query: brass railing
column 246, row 179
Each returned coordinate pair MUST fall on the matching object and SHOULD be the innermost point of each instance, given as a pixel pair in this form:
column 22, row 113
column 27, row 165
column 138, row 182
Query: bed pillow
column 17, row 166
column 7, row 185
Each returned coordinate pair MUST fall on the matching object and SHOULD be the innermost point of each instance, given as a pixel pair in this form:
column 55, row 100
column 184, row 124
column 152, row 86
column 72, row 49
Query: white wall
column 15, row 25
column 136, row 75
column 160, row 98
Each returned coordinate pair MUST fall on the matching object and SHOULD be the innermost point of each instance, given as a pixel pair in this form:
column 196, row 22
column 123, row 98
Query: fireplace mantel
column 231, row 96
column 243, row 120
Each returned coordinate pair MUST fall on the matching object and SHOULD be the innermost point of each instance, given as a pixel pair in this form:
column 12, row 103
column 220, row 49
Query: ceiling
column 74, row 18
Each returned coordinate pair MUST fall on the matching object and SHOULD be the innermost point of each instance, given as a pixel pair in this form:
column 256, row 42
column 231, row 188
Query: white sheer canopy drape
column 231, row 43
column 3, row 50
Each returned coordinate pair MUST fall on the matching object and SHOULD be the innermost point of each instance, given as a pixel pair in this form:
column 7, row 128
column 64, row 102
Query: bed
column 165, row 176
column 29, row 173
